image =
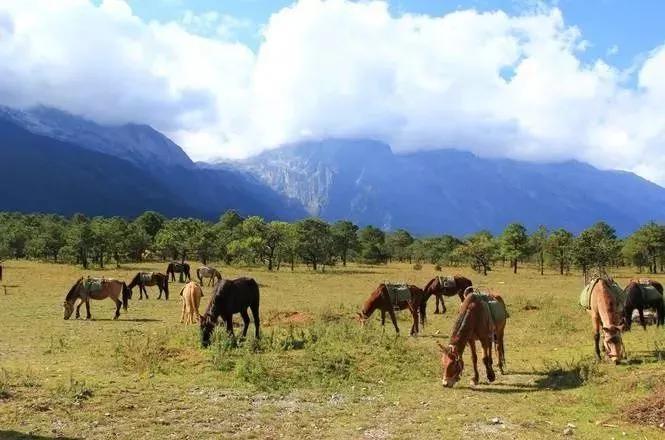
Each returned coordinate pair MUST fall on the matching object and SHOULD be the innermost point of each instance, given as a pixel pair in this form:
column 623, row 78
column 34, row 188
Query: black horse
column 181, row 268
column 229, row 297
column 637, row 298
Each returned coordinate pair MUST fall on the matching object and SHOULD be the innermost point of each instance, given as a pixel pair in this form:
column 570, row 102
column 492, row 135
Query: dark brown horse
column 105, row 288
column 447, row 286
column 474, row 323
column 637, row 298
column 150, row 279
column 180, row 268
column 380, row 299
column 605, row 314
column 229, row 297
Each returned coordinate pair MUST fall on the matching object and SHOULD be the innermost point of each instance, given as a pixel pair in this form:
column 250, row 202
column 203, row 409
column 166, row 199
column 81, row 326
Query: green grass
column 315, row 373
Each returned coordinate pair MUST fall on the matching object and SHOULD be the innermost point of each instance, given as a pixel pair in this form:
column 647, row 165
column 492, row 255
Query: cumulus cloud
column 492, row 83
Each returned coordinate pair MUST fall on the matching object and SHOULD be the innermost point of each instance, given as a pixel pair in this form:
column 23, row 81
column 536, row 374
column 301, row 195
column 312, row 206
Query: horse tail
column 183, row 289
column 423, row 310
column 660, row 313
column 126, row 294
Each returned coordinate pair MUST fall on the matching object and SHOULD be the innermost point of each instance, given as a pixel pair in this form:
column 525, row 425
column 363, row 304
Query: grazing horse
column 85, row 290
column 143, row 279
column 380, row 299
column 474, row 322
column 639, row 297
column 229, row 297
column 181, row 268
column 208, row 272
column 447, row 286
column 604, row 307
column 191, row 298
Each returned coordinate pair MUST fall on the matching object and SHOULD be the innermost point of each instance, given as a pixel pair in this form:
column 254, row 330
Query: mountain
column 452, row 191
column 56, row 162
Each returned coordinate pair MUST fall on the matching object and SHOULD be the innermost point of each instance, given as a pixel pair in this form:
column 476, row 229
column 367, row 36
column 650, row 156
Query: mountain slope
column 452, row 191
column 151, row 164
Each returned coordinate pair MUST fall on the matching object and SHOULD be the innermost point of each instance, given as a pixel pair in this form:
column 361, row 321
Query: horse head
column 613, row 343
column 68, row 309
column 452, row 364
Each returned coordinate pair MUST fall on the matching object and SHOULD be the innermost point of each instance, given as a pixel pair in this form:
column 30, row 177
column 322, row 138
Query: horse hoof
column 474, row 382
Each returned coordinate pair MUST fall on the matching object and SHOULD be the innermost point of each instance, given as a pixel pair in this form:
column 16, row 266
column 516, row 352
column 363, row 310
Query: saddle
column 146, row 277
column 649, row 293
column 496, row 309
column 447, row 282
column 398, row 293
column 615, row 290
column 93, row 284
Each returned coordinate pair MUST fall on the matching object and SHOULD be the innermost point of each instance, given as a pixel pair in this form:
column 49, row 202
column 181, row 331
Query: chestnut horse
column 229, row 297
column 112, row 289
column 191, row 298
column 474, row 322
column 380, row 299
column 605, row 314
column 440, row 287
column 636, row 299
column 143, row 279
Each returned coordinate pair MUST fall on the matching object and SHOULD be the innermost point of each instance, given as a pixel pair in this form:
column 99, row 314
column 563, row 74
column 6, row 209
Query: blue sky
column 621, row 31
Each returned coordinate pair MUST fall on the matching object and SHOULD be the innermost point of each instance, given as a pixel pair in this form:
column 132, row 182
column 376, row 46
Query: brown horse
column 191, row 298
column 105, row 288
column 180, row 268
column 447, row 286
column 150, row 279
column 208, row 272
column 474, row 322
column 229, row 297
column 380, row 299
column 605, row 315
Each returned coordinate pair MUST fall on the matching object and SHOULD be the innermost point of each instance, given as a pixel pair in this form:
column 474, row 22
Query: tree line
column 254, row 241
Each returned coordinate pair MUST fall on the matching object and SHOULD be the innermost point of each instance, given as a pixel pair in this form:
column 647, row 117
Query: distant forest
column 233, row 239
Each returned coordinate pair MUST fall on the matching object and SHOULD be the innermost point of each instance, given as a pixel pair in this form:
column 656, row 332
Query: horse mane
column 461, row 318
column 70, row 294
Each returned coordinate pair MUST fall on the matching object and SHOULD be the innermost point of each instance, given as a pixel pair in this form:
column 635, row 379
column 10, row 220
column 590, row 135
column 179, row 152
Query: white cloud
column 495, row 84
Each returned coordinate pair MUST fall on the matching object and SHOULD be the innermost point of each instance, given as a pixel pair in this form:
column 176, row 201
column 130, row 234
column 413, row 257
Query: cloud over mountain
column 492, row 83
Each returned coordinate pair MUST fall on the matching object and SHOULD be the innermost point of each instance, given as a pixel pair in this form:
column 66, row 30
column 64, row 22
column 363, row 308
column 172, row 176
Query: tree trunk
column 515, row 266
column 561, row 267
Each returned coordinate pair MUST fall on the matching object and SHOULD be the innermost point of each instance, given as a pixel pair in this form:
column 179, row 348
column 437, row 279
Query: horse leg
column 414, row 315
column 474, row 361
column 145, row 291
column 383, row 320
column 118, row 304
column 245, row 320
column 437, row 298
column 596, row 337
column 229, row 326
column 391, row 312
column 255, row 315
column 87, row 309
column 500, row 354
column 487, row 358
column 642, row 322
column 78, row 309
column 160, row 292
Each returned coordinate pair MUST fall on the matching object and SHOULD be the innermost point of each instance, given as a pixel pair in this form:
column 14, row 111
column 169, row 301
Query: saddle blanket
column 398, row 293
column 93, row 284
column 447, row 282
column 496, row 309
column 615, row 289
column 146, row 277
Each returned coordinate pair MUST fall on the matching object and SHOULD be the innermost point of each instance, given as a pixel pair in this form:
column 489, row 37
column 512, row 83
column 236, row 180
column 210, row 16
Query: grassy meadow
column 315, row 373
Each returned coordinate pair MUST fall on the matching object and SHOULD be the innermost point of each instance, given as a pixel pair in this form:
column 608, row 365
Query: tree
column 537, row 245
column 80, row 238
column 372, row 241
column 315, row 242
column 151, row 222
column 345, row 239
column 289, row 246
column 596, row 247
column 645, row 246
column 230, row 219
column 480, row 250
column 398, row 245
column 514, row 244
column 177, row 237
column 559, row 248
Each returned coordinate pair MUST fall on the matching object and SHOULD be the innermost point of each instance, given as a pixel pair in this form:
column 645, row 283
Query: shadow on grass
column 129, row 320
column 15, row 435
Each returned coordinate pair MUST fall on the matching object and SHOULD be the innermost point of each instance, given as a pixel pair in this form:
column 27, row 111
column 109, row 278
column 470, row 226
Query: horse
column 474, row 323
column 143, row 279
column 107, row 288
column 448, row 286
column 636, row 298
column 191, row 298
column 229, row 297
column 380, row 299
column 208, row 272
column 604, row 309
column 181, row 268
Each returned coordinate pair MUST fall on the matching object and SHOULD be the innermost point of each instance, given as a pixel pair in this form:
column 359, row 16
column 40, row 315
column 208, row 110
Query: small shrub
column 142, row 354
column 417, row 266
column 74, row 389
column 4, row 384
column 437, row 267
